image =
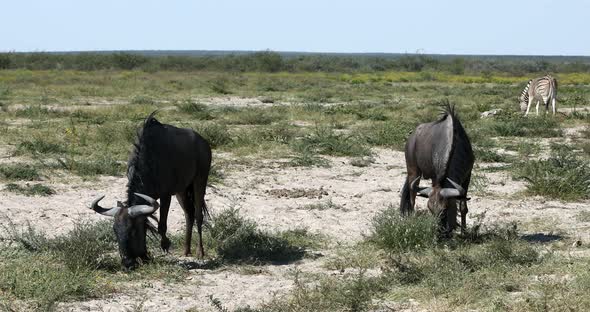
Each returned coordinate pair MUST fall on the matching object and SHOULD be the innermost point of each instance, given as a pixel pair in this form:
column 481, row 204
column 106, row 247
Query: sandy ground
column 278, row 198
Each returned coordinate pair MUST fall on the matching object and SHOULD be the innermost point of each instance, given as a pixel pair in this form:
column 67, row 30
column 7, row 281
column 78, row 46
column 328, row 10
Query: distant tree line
column 268, row 61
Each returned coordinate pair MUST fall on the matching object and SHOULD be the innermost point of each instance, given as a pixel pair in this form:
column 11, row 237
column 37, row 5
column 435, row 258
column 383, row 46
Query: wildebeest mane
column 446, row 109
column 139, row 164
column 460, row 147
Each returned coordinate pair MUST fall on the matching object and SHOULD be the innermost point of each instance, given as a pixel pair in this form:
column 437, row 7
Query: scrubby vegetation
column 564, row 175
column 481, row 269
column 269, row 61
column 76, row 115
column 83, row 263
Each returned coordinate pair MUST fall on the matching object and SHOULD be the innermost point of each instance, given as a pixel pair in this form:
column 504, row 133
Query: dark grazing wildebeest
column 439, row 151
column 165, row 161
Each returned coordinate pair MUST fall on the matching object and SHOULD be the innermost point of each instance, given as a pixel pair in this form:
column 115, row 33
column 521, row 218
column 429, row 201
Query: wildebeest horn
column 457, row 191
column 103, row 211
column 138, row 210
column 424, row 191
column 421, row 191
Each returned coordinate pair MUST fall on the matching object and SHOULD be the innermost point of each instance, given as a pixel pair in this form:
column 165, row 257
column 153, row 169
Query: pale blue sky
column 539, row 27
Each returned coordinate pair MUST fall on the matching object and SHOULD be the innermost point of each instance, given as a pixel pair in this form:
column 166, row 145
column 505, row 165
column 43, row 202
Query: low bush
column 239, row 240
column 565, row 175
column 395, row 233
column 216, row 134
column 324, row 140
column 30, row 190
column 16, row 172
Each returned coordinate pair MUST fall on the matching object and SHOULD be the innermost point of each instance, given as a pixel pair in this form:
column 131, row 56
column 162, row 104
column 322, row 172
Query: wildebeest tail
column 405, row 205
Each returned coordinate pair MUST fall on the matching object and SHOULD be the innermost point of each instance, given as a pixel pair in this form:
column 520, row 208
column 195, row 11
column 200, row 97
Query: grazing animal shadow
column 541, row 238
column 198, row 264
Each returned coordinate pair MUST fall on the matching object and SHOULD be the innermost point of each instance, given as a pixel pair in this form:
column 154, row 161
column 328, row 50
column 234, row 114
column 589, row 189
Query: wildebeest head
column 130, row 226
column 442, row 202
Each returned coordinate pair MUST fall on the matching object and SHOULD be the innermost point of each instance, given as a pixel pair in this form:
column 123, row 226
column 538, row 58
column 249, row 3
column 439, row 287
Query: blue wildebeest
column 165, row 161
column 439, row 151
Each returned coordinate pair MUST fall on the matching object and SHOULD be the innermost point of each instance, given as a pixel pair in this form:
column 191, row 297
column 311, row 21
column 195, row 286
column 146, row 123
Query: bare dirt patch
column 272, row 195
column 298, row 193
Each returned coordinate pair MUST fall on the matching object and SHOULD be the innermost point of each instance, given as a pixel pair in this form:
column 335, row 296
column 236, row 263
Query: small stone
column 490, row 113
column 577, row 243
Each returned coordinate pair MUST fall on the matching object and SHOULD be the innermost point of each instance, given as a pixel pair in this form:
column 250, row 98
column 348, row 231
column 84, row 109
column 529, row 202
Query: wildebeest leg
column 464, row 210
column 163, row 224
column 200, row 208
column 463, row 206
column 186, row 202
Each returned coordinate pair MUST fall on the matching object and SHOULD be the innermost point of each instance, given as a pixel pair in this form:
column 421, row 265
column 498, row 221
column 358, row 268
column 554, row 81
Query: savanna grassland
column 304, row 191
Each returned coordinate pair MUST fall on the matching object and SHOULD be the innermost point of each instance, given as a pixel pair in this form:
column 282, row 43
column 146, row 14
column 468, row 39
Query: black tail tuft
column 151, row 119
column 405, row 205
column 446, row 109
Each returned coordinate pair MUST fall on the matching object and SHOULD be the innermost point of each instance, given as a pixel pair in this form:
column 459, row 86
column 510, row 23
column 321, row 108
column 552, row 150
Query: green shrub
column 143, row 100
column 306, row 157
column 280, row 133
column 564, row 175
column 268, row 61
column 194, row 109
column 30, row 190
column 515, row 125
column 488, row 155
column 395, row 233
column 216, row 134
column 257, row 116
column 85, row 246
column 219, row 85
column 391, row 134
column 351, row 292
column 39, row 145
column 28, row 238
column 38, row 278
column 101, row 165
column 128, row 61
column 19, row 172
column 5, row 61
column 327, row 142
column 240, row 240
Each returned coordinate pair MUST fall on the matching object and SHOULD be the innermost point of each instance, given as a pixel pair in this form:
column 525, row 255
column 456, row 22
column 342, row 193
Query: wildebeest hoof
column 165, row 244
column 129, row 265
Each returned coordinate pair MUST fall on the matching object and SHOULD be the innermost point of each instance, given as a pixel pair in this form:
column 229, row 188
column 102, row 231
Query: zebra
column 541, row 88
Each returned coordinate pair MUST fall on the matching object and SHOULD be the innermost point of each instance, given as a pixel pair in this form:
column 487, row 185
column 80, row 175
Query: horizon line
column 204, row 51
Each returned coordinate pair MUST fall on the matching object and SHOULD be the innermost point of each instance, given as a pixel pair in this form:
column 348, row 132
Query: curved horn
column 457, row 191
column 424, row 191
column 103, row 211
column 138, row 210
column 421, row 191
column 413, row 183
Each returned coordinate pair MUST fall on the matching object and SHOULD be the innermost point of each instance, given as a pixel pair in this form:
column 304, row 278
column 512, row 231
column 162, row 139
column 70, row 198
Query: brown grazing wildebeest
column 440, row 151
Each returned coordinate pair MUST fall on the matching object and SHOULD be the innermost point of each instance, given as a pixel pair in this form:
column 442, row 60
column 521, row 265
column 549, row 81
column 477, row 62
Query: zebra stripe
column 541, row 88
